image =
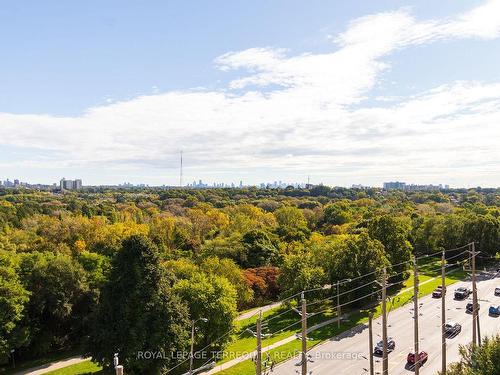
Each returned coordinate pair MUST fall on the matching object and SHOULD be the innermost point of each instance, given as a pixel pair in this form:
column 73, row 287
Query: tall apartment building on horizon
column 70, row 184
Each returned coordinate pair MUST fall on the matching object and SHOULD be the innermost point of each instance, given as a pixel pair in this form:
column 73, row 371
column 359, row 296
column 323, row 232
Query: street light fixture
column 191, row 354
column 12, row 351
column 339, row 314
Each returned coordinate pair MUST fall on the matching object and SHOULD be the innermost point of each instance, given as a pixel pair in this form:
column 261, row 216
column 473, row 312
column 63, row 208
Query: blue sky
column 347, row 92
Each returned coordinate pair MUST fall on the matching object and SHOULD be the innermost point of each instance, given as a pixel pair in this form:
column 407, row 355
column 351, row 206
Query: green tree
column 478, row 360
column 138, row 311
column 393, row 233
column 432, row 233
column 230, row 270
column 226, row 247
column 485, row 230
column 13, row 298
column 355, row 256
column 292, row 225
column 211, row 297
column 338, row 213
column 298, row 273
column 260, row 250
column 58, row 302
column 320, row 190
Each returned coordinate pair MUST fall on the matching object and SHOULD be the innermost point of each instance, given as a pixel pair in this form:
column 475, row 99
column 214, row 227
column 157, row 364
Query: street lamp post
column 191, row 353
column 340, row 282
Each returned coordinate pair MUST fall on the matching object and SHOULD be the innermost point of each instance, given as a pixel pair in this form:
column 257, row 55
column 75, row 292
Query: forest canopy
column 75, row 267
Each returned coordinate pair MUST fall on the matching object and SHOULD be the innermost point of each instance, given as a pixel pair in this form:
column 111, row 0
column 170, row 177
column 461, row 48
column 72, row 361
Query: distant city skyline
column 359, row 92
column 77, row 184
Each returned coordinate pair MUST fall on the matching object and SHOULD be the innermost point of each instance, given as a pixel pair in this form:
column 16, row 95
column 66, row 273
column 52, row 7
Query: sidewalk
column 252, row 312
column 48, row 367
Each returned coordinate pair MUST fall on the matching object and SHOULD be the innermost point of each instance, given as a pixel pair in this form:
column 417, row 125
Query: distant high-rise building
column 70, row 184
column 394, row 185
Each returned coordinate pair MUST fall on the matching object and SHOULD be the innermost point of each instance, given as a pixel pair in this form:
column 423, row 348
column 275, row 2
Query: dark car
column 422, row 357
column 497, row 291
column 452, row 328
column 438, row 292
column 379, row 348
column 494, row 310
column 462, row 293
column 469, row 307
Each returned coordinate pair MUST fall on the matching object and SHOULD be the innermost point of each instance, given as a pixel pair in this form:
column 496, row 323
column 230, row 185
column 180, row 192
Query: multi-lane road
column 348, row 354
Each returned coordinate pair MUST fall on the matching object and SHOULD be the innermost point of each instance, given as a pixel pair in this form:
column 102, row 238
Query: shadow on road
column 350, row 333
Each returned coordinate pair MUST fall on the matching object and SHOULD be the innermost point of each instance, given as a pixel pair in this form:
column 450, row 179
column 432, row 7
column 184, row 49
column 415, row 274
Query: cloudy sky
column 352, row 92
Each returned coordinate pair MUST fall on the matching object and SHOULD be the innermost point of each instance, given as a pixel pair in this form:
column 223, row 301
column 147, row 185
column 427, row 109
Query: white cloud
column 297, row 113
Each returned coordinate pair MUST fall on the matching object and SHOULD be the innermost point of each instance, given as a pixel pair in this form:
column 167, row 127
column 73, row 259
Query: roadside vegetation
column 83, row 368
column 478, row 360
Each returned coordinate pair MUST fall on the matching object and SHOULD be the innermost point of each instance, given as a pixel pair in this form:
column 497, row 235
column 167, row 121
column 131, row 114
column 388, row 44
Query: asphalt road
column 348, row 353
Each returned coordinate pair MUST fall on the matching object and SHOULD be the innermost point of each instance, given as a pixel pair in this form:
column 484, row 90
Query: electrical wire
column 345, row 304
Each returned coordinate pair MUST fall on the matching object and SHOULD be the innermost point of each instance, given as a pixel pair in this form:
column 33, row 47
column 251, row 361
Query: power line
column 375, row 271
column 329, row 298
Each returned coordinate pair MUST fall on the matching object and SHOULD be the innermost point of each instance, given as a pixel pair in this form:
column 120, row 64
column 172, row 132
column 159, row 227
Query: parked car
column 469, row 307
column 379, row 348
column 462, row 293
column 497, row 291
column 438, row 292
column 422, row 357
column 452, row 328
column 494, row 310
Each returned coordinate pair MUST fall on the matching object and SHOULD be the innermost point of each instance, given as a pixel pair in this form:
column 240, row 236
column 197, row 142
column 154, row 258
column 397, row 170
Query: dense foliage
column 138, row 310
column 128, row 270
column 478, row 360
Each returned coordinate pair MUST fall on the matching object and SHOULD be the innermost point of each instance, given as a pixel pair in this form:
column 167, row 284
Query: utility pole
column 118, row 368
column 191, row 353
column 478, row 331
column 180, row 175
column 385, row 364
column 338, row 305
column 258, row 364
column 443, row 314
column 474, row 296
column 304, row 335
column 370, row 339
column 415, row 314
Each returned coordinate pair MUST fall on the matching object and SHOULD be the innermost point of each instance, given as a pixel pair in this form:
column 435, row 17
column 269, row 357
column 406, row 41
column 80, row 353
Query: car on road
column 462, row 293
column 494, row 310
column 469, row 307
column 497, row 291
column 452, row 328
column 379, row 348
column 438, row 292
column 412, row 358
